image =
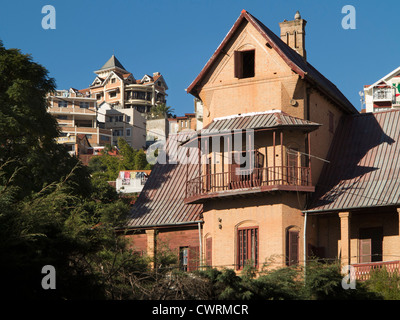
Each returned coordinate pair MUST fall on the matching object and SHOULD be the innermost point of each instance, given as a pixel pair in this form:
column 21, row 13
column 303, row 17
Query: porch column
column 398, row 213
column 151, row 244
column 345, row 237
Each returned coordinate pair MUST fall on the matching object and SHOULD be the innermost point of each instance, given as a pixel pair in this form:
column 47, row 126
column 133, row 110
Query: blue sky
column 177, row 37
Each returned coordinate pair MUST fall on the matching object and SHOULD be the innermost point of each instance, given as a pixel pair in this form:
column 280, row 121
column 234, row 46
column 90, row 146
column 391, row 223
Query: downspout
column 305, row 244
column 201, row 245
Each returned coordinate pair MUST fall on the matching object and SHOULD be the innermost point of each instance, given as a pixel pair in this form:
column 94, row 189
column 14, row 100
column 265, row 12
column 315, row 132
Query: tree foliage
column 161, row 111
column 106, row 167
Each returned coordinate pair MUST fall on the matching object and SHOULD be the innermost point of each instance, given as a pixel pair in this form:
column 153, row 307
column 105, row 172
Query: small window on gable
column 244, row 64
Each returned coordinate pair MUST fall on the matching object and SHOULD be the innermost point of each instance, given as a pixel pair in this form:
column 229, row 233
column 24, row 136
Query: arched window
column 292, row 246
column 247, row 245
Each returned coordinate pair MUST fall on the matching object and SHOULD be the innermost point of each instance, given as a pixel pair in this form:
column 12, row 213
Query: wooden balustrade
column 362, row 271
column 248, row 178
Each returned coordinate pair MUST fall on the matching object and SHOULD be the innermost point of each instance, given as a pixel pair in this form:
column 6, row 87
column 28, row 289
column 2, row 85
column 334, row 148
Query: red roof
column 291, row 57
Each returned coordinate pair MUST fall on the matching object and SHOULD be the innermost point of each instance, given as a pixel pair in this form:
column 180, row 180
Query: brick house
column 245, row 184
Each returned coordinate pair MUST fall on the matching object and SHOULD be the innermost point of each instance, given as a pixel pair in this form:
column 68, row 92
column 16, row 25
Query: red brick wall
column 138, row 242
column 173, row 238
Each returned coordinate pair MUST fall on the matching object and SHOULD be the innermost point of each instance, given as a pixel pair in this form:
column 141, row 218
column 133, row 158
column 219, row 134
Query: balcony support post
column 309, row 179
column 345, row 237
column 274, row 142
column 282, row 162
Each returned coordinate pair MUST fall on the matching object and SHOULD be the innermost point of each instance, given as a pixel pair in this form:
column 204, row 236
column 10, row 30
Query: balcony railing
column 267, row 178
column 383, row 94
column 362, row 271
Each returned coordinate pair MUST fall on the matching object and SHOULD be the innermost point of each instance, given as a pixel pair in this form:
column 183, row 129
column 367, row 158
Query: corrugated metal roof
column 364, row 168
column 161, row 201
column 256, row 121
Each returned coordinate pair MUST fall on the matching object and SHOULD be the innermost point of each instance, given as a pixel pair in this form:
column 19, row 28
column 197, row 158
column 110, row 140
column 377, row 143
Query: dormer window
column 244, row 64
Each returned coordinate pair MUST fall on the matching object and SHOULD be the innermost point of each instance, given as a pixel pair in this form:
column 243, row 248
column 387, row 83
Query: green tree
column 52, row 212
column 107, row 167
column 161, row 111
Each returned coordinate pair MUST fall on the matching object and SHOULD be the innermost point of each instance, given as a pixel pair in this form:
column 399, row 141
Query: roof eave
column 244, row 15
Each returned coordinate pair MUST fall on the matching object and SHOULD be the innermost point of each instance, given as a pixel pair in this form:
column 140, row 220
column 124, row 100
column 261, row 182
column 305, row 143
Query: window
column 292, row 247
column 84, row 105
column 189, row 258
column 119, row 118
column 247, row 247
column 244, row 64
column 209, row 251
column 183, row 258
column 128, row 118
column 113, row 80
column 59, row 117
column 128, row 132
column 62, row 104
column 113, row 94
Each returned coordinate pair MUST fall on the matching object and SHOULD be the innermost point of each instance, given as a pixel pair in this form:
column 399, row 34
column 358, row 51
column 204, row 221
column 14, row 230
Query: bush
column 385, row 284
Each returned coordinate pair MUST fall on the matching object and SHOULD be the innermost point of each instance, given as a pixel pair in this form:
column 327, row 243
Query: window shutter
column 193, row 258
column 238, row 64
column 293, row 246
column 365, row 250
column 209, row 251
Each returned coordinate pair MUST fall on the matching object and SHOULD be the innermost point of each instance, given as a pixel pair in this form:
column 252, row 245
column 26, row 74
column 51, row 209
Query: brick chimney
column 293, row 34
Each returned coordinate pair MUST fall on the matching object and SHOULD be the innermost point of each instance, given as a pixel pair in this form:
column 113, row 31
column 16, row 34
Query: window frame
column 243, row 258
column 239, row 64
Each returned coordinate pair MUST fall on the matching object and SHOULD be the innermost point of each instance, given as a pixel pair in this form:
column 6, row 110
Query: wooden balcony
column 362, row 270
column 248, row 181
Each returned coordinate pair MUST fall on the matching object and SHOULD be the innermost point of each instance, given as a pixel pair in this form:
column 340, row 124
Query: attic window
column 244, row 64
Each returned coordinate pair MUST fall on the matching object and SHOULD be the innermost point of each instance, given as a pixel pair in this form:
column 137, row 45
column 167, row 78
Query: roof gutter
column 155, row 226
column 348, row 208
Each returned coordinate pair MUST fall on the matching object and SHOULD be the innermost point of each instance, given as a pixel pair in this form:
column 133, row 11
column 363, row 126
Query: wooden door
column 370, row 244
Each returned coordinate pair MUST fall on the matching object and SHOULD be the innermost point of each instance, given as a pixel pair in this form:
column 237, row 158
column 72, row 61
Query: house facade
column 122, row 97
column 118, row 87
column 267, row 176
column 76, row 114
column 273, row 115
column 127, row 123
column 384, row 94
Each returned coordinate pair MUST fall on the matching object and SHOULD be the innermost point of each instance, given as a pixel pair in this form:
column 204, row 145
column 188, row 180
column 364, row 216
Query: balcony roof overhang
column 257, row 121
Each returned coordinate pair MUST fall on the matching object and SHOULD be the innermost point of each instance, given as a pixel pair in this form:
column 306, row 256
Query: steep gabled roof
column 291, row 57
column 161, row 202
column 112, row 63
column 364, row 168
